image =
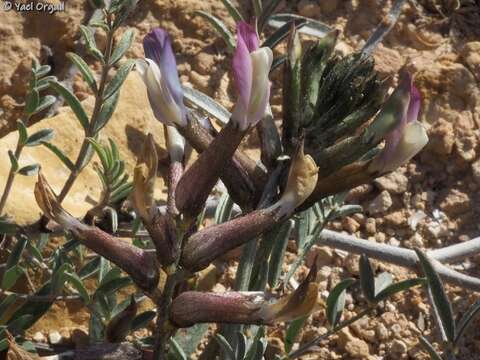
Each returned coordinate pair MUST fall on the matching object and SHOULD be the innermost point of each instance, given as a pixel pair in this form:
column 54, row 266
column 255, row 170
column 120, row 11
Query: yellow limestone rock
column 132, row 119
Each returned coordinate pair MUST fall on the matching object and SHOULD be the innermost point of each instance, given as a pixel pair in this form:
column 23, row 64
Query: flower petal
column 163, row 105
column 175, row 144
column 249, row 35
column 414, row 105
column 413, row 139
column 260, row 94
column 158, row 47
column 242, row 73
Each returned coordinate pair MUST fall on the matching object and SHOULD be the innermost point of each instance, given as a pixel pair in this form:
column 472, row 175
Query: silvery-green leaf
column 59, row 277
column 88, row 157
column 232, row 10
column 20, row 324
column 17, row 251
column 114, row 285
column 60, row 154
column 142, row 320
column 336, row 301
column 226, row 347
column 118, row 79
column 189, row 338
column 258, row 347
column 90, row 268
column 293, row 330
column 89, row 39
column 220, row 27
column 241, row 345
column 122, row 46
column 96, row 328
column 178, row 352
column 434, row 355
column 13, row 160
column 268, row 10
column 312, row 27
column 278, row 252
column 73, row 102
column 386, row 24
column 223, row 211
column 345, row 210
column 32, row 308
column 283, row 31
column 84, row 70
column 40, row 136
column 77, row 283
column 29, row 170
column 439, row 296
column 106, row 112
column 22, row 131
column 121, row 193
column 6, row 302
column 397, row 287
column 44, row 83
column 34, row 251
column 10, row 276
column 113, row 217
column 32, row 102
column 382, row 281
column 257, row 7
column 99, row 24
column 45, row 102
column 466, row 320
column 367, row 280
column 303, row 227
column 101, row 152
column 42, row 71
column 207, row 104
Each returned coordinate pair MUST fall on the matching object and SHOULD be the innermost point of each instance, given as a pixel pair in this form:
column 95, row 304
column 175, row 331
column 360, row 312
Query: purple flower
column 408, row 137
column 251, row 66
column 159, row 72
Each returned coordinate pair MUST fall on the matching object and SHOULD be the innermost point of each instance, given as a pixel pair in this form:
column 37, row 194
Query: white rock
column 398, row 347
column 39, row 337
column 394, row 182
column 381, row 203
column 54, row 337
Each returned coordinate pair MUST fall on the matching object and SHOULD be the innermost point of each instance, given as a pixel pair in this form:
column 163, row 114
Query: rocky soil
column 431, row 202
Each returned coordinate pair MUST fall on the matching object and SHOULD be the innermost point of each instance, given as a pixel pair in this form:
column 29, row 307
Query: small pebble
column 54, row 337
column 398, row 347
column 39, row 337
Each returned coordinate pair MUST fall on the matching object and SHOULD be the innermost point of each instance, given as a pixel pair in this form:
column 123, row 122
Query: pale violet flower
column 251, row 67
column 159, row 72
column 408, row 137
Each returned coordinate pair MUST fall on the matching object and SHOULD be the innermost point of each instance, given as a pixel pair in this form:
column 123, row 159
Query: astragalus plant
column 339, row 130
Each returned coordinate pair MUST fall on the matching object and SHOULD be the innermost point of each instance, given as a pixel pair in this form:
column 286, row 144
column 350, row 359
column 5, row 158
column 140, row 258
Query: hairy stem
column 405, row 257
column 10, row 178
column 79, row 163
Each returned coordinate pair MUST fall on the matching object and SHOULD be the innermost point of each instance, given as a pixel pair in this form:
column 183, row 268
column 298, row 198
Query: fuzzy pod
column 208, row 244
column 199, row 179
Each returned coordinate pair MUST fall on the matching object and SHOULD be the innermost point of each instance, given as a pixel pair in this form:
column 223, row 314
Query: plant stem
column 164, row 330
column 10, row 178
column 242, row 282
column 305, row 348
column 79, row 163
